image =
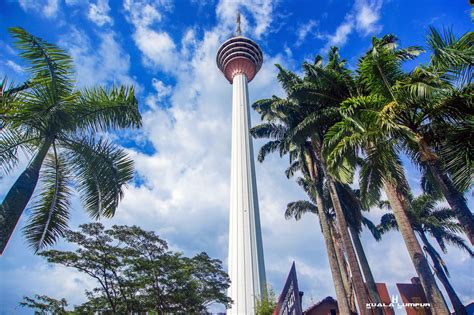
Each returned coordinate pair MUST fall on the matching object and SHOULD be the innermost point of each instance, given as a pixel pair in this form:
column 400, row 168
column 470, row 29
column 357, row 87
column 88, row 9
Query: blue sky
column 167, row 50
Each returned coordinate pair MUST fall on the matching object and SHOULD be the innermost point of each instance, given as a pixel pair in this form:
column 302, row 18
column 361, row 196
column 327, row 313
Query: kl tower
column 239, row 59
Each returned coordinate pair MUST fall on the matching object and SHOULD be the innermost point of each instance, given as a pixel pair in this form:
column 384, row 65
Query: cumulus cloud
column 48, row 8
column 367, row 15
column 98, row 13
column 260, row 10
column 157, row 47
column 162, row 91
column 105, row 64
column 62, row 282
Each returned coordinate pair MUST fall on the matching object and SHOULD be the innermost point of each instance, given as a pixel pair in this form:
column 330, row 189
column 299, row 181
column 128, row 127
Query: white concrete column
column 246, row 263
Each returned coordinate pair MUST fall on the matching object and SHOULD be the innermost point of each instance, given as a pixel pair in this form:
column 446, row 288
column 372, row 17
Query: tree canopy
column 135, row 271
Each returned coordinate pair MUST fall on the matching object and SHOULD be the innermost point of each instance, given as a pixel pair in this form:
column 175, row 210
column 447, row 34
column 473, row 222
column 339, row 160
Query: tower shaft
column 246, row 263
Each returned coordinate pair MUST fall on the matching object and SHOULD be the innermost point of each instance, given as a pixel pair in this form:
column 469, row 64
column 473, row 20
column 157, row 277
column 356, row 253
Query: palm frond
column 296, row 209
column 457, row 241
column 287, row 79
column 268, row 148
column 372, row 228
column 268, row 130
column 49, row 63
column 451, row 55
column 293, row 168
column 12, row 140
column 50, row 214
column 102, row 170
column 104, row 109
column 457, row 152
column 387, row 223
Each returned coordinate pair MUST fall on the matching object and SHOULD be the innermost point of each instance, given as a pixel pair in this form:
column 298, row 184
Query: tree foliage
column 45, row 305
column 61, row 129
column 135, row 271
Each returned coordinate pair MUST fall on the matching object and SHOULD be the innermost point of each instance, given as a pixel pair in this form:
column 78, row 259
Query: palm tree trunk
column 19, row 195
column 332, row 256
column 325, row 229
column 454, row 198
column 357, row 278
column 364, row 264
column 453, row 297
column 433, row 294
column 336, row 238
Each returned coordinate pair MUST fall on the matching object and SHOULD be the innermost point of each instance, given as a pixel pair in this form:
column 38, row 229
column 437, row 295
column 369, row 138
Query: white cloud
column 363, row 18
column 304, row 30
column 143, row 12
column 48, row 8
column 260, row 10
column 161, row 89
column 98, row 12
column 62, row 282
column 14, row 66
column 158, row 48
column 339, row 38
column 153, row 100
column 105, row 64
column 367, row 15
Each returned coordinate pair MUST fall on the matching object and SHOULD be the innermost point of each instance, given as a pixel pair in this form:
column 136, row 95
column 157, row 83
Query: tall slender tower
column 239, row 58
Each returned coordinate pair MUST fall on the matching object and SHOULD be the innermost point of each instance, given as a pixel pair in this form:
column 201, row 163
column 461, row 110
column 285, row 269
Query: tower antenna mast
column 238, row 32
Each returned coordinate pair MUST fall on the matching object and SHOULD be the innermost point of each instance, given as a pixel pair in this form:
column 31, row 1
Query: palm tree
column 281, row 116
column 311, row 107
column 427, row 219
column 352, row 210
column 432, row 115
column 297, row 209
column 324, row 88
column 60, row 127
column 360, row 131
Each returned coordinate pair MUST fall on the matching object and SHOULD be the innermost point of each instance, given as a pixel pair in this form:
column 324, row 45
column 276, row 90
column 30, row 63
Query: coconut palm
column 60, row 126
column 360, row 131
column 428, row 219
column 432, row 113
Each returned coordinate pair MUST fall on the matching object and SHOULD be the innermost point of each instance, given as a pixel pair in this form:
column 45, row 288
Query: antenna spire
column 238, row 32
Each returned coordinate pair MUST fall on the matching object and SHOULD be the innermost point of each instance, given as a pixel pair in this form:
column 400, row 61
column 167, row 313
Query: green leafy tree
column 45, row 305
column 428, row 219
column 266, row 306
column 137, row 273
column 60, row 127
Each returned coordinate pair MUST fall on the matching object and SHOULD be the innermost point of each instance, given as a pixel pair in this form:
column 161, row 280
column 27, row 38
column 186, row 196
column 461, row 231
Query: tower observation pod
column 239, row 59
